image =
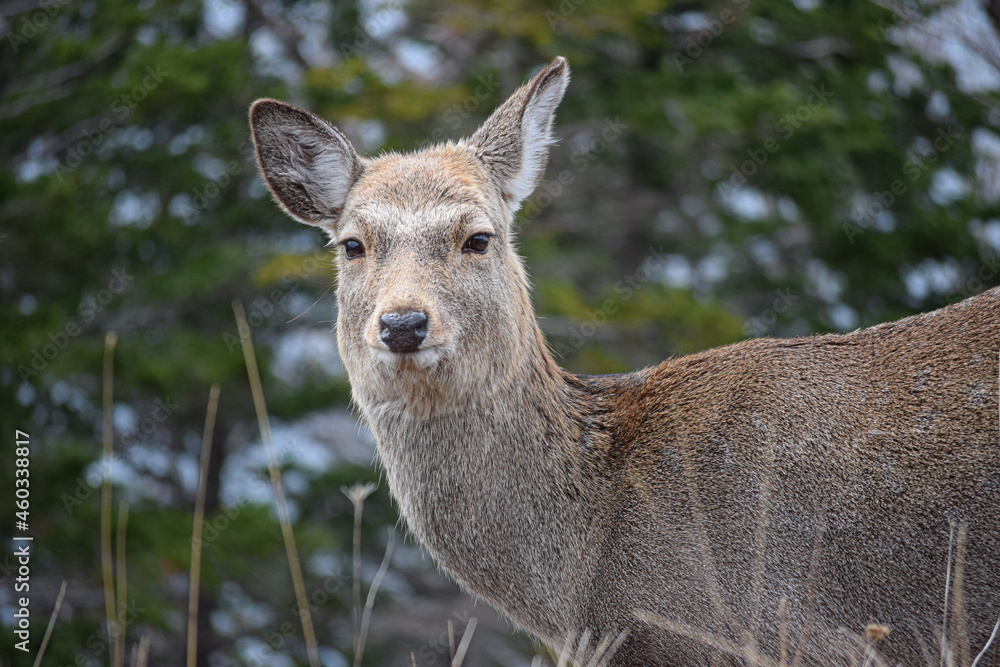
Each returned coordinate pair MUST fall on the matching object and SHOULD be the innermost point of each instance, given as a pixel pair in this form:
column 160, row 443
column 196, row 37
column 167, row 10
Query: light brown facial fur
column 720, row 508
column 413, row 214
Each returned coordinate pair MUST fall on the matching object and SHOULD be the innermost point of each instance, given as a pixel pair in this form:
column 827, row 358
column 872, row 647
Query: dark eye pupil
column 353, row 248
column 478, row 243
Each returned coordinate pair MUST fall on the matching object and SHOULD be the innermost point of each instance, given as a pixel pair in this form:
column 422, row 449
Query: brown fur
column 809, row 488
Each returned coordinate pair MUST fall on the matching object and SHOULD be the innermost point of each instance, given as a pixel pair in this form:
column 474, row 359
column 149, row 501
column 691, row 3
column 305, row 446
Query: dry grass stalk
column 122, row 572
column 865, row 655
column 760, row 541
column 143, row 655
column 960, row 630
column 783, row 631
column 800, row 647
column 581, row 655
column 357, row 494
column 565, row 654
column 463, row 646
column 873, row 634
column 451, row 638
column 48, row 628
column 199, row 522
column 370, row 602
column 989, row 642
column 706, row 561
column 607, row 649
column 291, row 550
column 718, row 643
column 108, row 436
column 947, row 592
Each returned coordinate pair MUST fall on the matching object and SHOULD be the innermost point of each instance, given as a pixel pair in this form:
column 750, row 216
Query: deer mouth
column 423, row 358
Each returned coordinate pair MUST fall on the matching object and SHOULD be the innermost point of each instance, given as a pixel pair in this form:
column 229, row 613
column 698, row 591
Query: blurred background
column 726, row 169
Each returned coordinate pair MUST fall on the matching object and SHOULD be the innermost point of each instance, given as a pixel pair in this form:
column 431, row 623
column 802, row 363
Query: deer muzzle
column 403, row 332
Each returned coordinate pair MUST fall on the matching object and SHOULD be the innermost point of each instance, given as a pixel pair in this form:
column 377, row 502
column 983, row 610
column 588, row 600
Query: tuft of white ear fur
column 514, row 141
column 308, row 165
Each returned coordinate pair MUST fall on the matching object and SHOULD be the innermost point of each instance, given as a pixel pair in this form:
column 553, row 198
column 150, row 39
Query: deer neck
column 499, row 488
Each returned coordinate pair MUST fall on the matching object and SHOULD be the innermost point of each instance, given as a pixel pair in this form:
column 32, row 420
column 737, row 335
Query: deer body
column 726, row 507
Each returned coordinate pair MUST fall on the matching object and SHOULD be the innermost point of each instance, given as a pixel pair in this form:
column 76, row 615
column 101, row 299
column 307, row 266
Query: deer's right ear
column 308, row 165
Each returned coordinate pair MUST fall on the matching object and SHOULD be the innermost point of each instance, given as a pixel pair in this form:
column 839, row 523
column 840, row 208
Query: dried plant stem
column 783, row 630
column 279, row 491
column 463, row 646
column 800, row 648
column 718, row 643
column 996, row 627
column 357, row 494
column 960, row 630
column 52, row 624
column 122, row 573
column 568, row 653
column 989, row 642
column 143, row 656
column 194, row 585
column 947, row 591
column 358, row 509
column 370, row 601
column 451, row 638
column 108, row 436
column 607, row 649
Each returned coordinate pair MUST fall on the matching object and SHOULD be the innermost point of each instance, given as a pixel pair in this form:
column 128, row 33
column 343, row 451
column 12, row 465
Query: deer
column 819, row 500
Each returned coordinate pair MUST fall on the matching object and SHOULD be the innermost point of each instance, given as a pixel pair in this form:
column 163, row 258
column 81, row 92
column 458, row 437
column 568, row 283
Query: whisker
column 325, row 292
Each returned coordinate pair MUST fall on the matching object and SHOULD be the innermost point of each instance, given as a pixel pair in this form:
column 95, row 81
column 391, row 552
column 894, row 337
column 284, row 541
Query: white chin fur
column 420, row 360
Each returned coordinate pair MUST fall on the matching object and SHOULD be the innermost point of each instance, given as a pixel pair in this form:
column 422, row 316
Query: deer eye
column 477, row 243
column 353, row 248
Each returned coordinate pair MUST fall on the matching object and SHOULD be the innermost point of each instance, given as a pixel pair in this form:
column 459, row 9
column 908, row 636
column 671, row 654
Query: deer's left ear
column 514, row 141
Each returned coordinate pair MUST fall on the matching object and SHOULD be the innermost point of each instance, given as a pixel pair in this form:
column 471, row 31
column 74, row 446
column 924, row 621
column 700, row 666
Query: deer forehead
column 415, row 180
column 437, row 193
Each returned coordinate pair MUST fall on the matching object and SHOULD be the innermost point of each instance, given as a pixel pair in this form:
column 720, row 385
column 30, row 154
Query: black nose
column 403, row 332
